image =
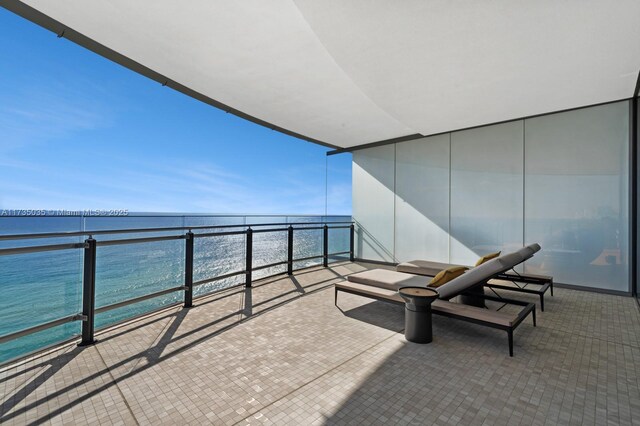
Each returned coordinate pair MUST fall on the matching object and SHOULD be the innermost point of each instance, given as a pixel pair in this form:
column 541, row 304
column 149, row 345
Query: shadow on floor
column 154, row 355
column 427, row 383
column 380, row 314
column 52, row 367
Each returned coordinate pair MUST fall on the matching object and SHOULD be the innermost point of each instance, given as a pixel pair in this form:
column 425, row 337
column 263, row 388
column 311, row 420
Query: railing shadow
column 24, row 368
column 152, row 317
column 248, row 302
column 299, row 287
column 55, row 365
column 154, row 355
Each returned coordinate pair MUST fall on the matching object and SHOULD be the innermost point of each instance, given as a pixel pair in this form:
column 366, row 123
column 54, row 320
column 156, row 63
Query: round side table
column 417, row 313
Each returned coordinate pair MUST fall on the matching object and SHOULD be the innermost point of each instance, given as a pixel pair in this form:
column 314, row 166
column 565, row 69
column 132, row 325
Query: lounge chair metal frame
column 527, row 309
column 520, row 283
column 527, row 279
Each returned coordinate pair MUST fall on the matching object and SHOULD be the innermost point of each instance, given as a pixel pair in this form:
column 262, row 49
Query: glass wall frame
column 577, row 196
column 422, row 199
column 486, row 191
column 593, row 202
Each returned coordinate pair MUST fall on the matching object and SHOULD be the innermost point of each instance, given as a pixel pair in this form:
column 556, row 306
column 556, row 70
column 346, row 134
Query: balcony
column 470, row 130
column 280, row 352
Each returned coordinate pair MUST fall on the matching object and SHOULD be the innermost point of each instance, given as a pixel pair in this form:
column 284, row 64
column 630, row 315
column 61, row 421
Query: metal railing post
column 290, row 250
column 325, row 255
column 188, row 270
column 352, row 239
column 88, row 292
column 249, row 257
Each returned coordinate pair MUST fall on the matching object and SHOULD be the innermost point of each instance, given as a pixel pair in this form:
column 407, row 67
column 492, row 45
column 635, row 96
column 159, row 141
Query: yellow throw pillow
column 447, row 275
column 487, row 257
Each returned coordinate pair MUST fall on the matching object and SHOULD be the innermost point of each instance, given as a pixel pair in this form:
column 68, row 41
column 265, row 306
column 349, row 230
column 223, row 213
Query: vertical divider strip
column 633, row 194
column 524, row 177
column 395, row 197
column 450, row 162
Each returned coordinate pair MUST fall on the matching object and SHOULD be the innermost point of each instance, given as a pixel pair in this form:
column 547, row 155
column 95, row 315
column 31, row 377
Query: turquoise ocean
column 39, row 287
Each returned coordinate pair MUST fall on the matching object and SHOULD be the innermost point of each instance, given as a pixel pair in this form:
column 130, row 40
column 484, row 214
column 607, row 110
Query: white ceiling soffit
column 348, row 73
column 257, row 56
column 441, row 65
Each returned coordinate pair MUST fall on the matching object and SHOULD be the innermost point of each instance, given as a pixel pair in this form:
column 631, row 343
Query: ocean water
column 40, row 287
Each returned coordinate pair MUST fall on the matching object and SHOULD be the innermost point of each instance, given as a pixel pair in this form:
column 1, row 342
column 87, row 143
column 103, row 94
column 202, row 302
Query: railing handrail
column 8, row 237
column 33, row 249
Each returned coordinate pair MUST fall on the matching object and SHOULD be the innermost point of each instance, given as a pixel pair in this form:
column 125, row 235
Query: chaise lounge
column 382, row 284
column 510, row 280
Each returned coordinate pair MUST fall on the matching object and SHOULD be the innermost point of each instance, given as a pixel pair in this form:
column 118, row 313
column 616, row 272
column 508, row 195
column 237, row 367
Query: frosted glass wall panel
column 576, row 195
column 486, row 191
column 373, row 199
column 422, row 199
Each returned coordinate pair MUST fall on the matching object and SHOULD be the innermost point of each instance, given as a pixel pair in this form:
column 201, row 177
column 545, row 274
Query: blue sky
column 78, row 131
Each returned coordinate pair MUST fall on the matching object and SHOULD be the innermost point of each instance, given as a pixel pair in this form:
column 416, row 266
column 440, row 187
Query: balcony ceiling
column 346, row 73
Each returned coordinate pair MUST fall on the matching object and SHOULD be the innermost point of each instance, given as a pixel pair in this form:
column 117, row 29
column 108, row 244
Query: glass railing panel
column 265, row 220
column 307, row 243
column 217, row 256
column 48, row 284
column 269, row 248
column 146, row 221
column 339, row 241
column 38, row 288
column 128, row 271
column 37, row 225
column 211, row 220
column 11, row 225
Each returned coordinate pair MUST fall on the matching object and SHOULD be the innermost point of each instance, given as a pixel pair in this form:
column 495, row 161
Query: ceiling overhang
column 346, row 74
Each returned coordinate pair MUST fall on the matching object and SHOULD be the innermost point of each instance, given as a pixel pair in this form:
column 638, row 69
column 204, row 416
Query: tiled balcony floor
column 282, row 353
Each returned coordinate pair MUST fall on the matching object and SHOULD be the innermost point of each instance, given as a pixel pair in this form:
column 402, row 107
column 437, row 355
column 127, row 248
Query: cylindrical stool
column 417, row 313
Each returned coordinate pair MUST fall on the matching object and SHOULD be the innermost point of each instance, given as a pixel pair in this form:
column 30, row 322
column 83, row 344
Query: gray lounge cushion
column 535, row 247
column 475, row 276
column 431, row 269
column 525, row 253
column 369, row 290
column 512, row 259
column 423, row 267
column 478, row 275
column 391, row 280
column 528, row 251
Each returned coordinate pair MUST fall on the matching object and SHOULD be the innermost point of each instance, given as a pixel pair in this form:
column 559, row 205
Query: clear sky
column 78, row 131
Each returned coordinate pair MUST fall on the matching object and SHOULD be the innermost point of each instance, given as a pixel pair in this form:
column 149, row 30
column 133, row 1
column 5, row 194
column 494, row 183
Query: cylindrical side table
column 417, row 313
